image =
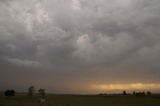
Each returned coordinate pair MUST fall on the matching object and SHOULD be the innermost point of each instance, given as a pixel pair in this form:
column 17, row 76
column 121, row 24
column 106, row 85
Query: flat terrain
column 79, row 100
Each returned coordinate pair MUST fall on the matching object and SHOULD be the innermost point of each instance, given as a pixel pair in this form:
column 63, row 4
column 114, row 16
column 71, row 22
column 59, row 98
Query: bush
column 9, row 93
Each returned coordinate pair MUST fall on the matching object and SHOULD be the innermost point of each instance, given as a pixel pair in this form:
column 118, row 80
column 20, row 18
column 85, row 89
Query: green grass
column 71, row 100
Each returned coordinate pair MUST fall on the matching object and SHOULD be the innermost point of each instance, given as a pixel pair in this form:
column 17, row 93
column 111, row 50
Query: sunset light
column 135, row 86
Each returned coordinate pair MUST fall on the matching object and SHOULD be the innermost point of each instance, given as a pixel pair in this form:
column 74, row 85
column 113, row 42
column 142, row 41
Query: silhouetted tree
column 134, row 93
column 140, row 94
column 31, row 89
column 42, row 92
column 148, row 93
column 143, row 93
column 9, row 93
column 124, row 93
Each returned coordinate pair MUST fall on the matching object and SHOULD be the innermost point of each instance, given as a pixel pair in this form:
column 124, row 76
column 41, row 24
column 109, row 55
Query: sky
column 80, row 46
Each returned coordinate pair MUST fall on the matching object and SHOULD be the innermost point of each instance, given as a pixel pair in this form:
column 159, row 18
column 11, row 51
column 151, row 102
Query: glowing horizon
column 132, row 86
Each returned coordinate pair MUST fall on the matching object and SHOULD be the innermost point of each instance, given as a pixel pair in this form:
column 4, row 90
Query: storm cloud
column 67, row 46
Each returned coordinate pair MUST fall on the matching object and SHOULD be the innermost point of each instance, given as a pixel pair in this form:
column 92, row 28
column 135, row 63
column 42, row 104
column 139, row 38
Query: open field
column 77, row 100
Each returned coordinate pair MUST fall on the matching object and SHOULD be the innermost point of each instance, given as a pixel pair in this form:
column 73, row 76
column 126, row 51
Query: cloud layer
column 65, row 44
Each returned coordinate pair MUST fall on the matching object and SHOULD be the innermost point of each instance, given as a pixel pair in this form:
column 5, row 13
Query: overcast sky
column 80, row 46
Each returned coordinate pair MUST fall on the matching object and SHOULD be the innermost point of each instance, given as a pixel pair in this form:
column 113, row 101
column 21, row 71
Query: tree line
column 124, row 93
column 31, row 90
column 41, row 92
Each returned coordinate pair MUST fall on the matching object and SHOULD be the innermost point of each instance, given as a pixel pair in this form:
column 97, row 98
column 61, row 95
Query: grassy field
column 77, row 100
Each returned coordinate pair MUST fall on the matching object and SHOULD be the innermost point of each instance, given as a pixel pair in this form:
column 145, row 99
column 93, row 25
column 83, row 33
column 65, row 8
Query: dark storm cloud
column 67, row 41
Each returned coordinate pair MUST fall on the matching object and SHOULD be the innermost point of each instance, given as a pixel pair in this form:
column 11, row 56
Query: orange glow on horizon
column 134, row 86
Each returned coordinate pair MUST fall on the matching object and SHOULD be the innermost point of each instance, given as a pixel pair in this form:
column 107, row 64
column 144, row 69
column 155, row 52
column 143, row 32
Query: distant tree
column 140, row 94
column 143, row 93
column 102, row 94
column 31, row 89
column 9, row 93
column 124, row 93
column 134, row 93
column 42, row 92
column 148, row 93
column 12, row 92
